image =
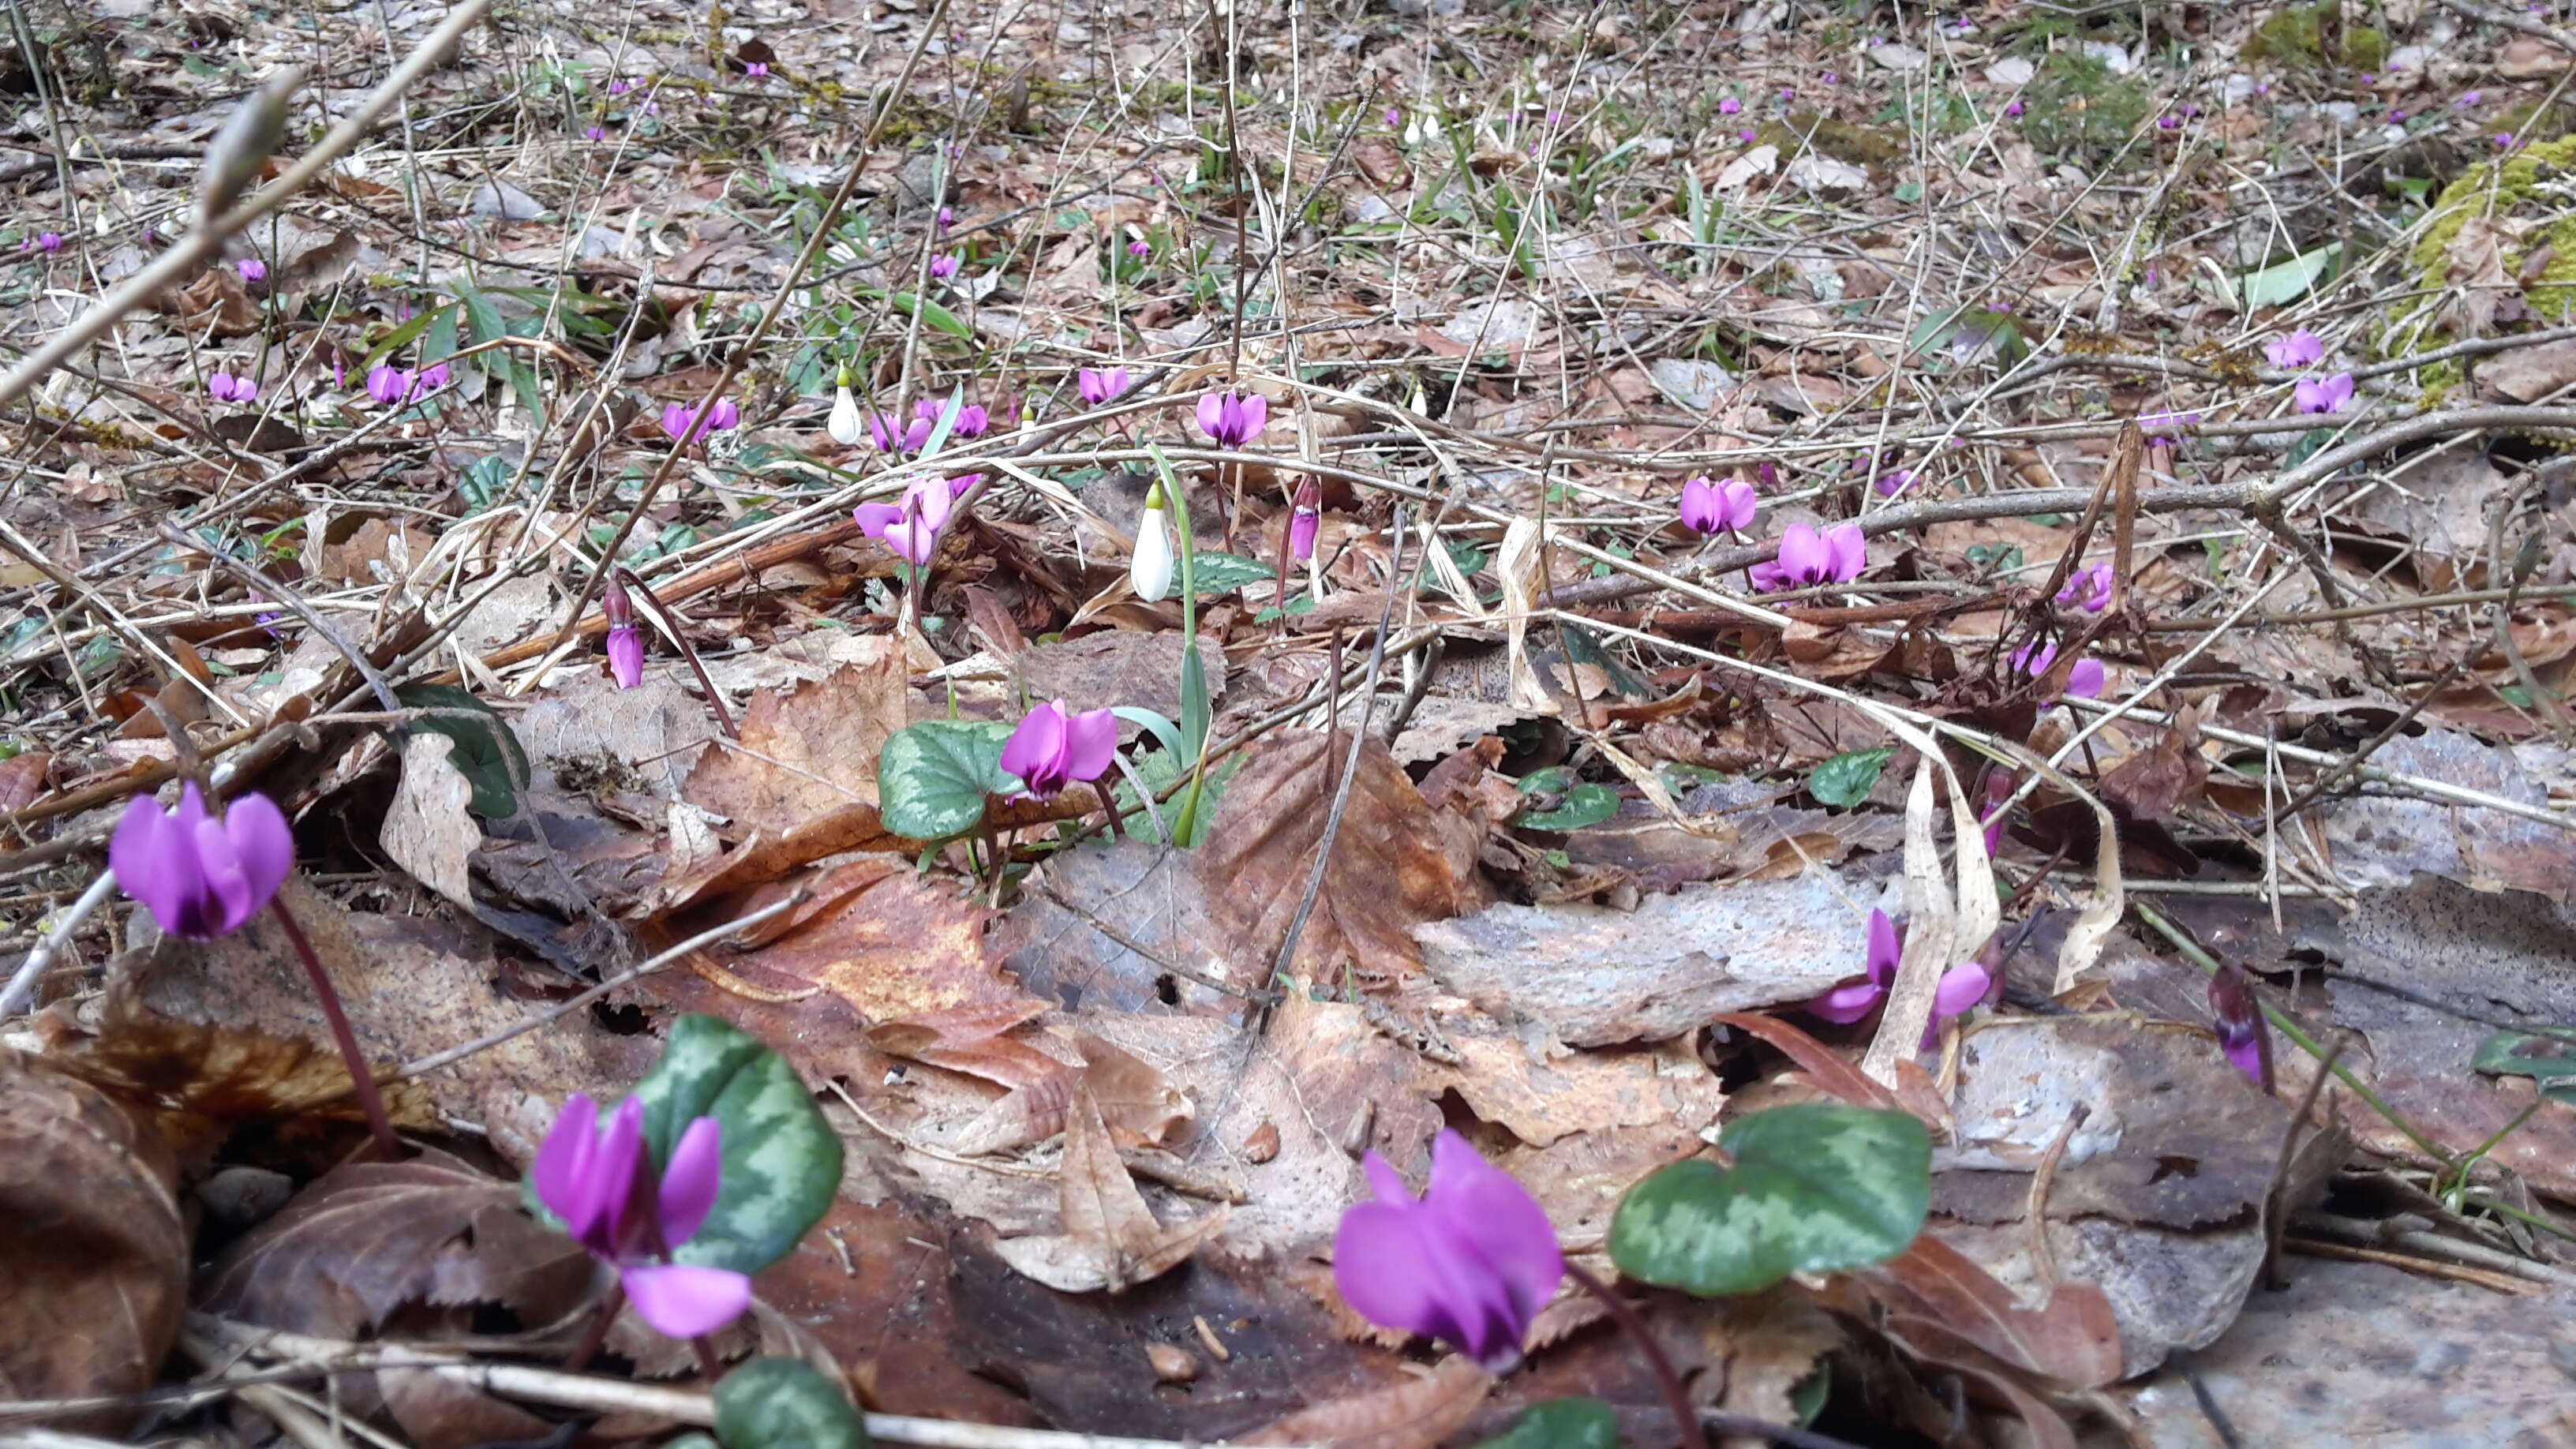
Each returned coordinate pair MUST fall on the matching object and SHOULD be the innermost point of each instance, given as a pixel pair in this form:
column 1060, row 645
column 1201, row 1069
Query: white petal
column 847, row 425
column 1152, row 571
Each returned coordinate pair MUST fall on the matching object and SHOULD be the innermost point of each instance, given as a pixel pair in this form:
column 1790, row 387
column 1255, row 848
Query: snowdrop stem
column 1686, row 1418
column 371, row 1102
column 670, row 623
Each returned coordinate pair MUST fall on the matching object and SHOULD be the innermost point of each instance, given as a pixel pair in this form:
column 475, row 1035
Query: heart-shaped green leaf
column 1846, row 779
column 487, row 752
column 785, row 1403
column 1816, row 1187
column 932, row 777
column 782, row 1160
column 1561, row 1424
column 1219, row 574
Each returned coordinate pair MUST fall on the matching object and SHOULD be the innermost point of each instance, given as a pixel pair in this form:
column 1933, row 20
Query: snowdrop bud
column 847, row 424
column 1151, row 573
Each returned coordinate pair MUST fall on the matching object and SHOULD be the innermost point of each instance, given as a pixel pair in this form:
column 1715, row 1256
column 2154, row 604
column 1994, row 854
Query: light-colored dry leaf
column 428, row 830
column 1110, row 1240
column 1415, row 1414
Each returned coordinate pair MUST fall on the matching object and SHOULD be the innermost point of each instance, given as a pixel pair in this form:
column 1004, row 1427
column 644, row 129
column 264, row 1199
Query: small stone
column 1172, row 1363
column 238, row 1199
column 1263, row 1144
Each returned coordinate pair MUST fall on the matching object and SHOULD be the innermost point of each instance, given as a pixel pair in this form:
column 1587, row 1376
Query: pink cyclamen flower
column 595, row 133
column 1099, row 384
column 2504, row 138
column 757, row 70
column 2167, row 123
column 1713, row 506
column 1470, row 1263
column 891, row 435
column 224, row 387
column 2322, row 394
column 388, row 384
column 2012, row 108
column 47, row 241
column 2083, row 681
column 1747, row 135
column 2242, row 1033
column 682, row 422
column 1807, row 557
column 947, row 217
column 201, row 875
column 1305, row 519
column 909, row 527
column 2395, row 116
column 1729, row 106
column 2088, row 588
column 1961, row 987
column 252, row 269
column 432, row 377
column 615, row 1204
column 2000, row 784
column 1055, row 746
column 620, row 87
column 625, row 646
column 1140, row 249
column 1233, row 419
column 943, row 265
column 2469, row 98
column 1895, row 481
column 1393, row 118
column 2302, row 348
column 972, row 419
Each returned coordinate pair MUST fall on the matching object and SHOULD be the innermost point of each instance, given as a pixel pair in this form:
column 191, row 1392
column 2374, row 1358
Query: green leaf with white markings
column 785, row 1403
column 782, row 1160
column 933, row 777
column 1815, row 1187
column 1561, row 1424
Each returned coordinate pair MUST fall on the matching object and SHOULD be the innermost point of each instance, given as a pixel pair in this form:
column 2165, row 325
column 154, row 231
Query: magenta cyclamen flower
column 2242, row 1033
column 1099, row 384
column 1470, row 1263
column 1054, row 747
column 434, row 377
column 2012, row 108
column 1140, row 249
column 1712, row 506
column 972, row 419
column 1834, row 556
column 2323, row 394
column 943, row 265
column 909, row 527
column 224, row 387
column 1961, row 987
column 2302, row 348
column 1233, row 419
column 625, row 646
column 2084, row 681
column 612, row 1201
column 1895, row 481
column 47, row 241
column 1729, row 106
column 1305, row 517
column 594, row 133
column 757, row 70
column 2000, row 784
column 201, row 876
column 891, row 435
column 2088, row 588
column 252, row 269
column 682, row 422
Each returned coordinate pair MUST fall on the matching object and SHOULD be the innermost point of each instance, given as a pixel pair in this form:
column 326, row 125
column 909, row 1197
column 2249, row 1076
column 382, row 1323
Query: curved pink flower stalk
column 1054, row 747
column 201, row 875
column 615, row 1205
column 1233, row 419
column 1710, row 507
column 1469, row 1263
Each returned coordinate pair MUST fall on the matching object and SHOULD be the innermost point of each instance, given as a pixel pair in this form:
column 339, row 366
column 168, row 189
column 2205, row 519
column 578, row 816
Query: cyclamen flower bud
column 1305, row 518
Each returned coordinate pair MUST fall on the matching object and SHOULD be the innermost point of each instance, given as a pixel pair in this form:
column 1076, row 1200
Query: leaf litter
column 1570, row 855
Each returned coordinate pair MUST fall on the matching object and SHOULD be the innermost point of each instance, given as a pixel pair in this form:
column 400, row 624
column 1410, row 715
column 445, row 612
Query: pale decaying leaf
column 1931, row 931
column 1111, row 1239
column 1136, row 1101
column 428, row 830
column 1518, row 564
column 1416, row 1414
column 2483, row 292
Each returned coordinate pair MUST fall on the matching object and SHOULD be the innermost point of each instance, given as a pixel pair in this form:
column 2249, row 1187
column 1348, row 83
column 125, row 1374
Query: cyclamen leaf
column 1846, row 779
column 487, row 753
column 1816, row 1187
column 1219, row 574
column 1577, row 1423
column 782, row 1160
column 785, row 1403
column 933, row 777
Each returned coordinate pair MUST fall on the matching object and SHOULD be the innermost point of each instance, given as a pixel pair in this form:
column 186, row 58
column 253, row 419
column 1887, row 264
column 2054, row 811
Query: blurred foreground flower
column 1470, row 1263
column 615, row 1205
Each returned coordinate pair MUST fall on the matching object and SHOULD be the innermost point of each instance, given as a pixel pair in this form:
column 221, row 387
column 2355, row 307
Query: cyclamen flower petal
column 2084, row 681
column 1232, row 419
column 1099, row 385
column 590, row 1176
column 1304, row 519
column 2302, row 348
column 1713, row 506
column 943, row 265
column 2088, row 588
column 1053, row 747
column 200, row 876
column 2323, row 394
column 1853, row 1000
column 685, row 1300
column 1470, row 1263
column 626, row 656
column 388, row 384
column 690, row 1179
column 252, row 269
column 1895, row 481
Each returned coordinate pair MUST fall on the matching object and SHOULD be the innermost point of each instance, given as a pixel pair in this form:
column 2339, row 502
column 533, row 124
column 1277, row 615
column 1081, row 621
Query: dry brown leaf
column 2483, row 292
column 1396, row 862
column 1770, row 1342
column 807, row 753
column 216, row 300
column 1417, row 1414
column 2157, row 779
column 1139, row 1104
column 2071, row 1338
column 1110, row 1239
column 369, row 1238
column 92, row 1245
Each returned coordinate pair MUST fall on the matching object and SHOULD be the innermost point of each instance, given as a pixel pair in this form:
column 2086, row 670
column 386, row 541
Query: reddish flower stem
column 362, row 1080
column 1678, row 1397
column 594, row 1340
